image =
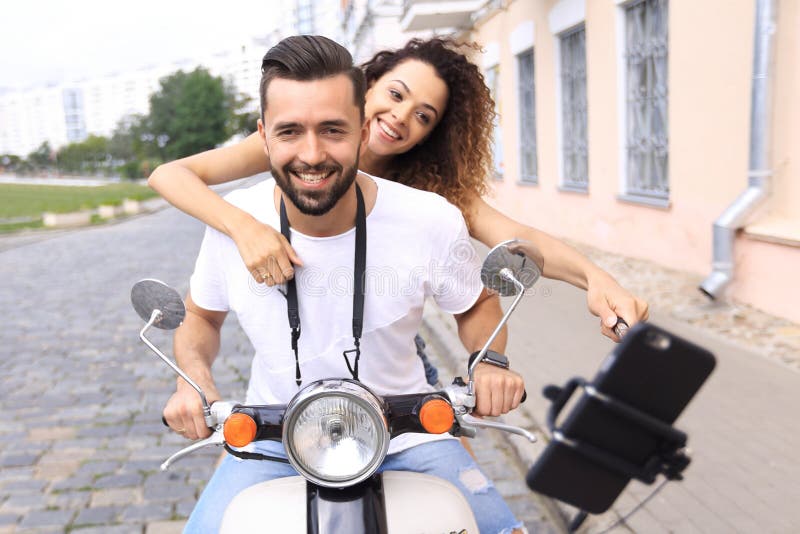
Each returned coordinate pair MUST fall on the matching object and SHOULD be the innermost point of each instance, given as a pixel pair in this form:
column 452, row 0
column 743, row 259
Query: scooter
column 336, row 434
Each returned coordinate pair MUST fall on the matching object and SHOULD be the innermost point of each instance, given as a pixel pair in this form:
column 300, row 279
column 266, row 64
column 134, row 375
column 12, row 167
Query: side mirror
column 511, row 261
column 150, row 296
column 161, row 306
column 509, row 269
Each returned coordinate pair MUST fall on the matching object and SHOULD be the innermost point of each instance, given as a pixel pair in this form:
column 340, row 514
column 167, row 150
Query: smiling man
column 312, row 141
column 404, row 244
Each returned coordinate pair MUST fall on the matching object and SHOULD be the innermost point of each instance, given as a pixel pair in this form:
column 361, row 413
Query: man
column 313, row 125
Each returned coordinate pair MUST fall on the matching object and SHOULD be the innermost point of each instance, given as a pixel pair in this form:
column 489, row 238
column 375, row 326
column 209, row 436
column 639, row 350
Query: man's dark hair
column 310, row 57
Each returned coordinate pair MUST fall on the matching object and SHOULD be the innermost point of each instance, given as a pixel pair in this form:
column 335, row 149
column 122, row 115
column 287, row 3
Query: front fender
column 414, row 502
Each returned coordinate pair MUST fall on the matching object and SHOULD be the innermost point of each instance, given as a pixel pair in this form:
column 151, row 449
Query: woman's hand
column 610, row 301
column 268, row 255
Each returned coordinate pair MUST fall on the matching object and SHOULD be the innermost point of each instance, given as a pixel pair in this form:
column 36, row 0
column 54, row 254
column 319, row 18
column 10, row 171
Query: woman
column 430, row 116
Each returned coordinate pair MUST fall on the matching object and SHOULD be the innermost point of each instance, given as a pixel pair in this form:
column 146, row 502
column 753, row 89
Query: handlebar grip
column 164, row 422
column 621, row 328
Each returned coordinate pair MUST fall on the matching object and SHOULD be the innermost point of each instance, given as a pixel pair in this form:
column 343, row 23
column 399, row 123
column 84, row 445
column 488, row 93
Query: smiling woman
column 439, row 99
column 399, row 117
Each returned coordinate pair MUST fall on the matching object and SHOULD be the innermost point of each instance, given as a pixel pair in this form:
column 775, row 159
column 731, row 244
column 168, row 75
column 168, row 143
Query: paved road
column 80, row 440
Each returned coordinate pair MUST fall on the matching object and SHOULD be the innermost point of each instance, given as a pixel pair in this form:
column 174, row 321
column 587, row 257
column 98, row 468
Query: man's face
column 312, row 133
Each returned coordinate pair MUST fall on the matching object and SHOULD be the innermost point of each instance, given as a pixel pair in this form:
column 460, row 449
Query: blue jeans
column 446, row 459
column 431, row 372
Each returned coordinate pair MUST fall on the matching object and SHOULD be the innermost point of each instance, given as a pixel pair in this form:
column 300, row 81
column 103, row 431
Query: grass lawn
column 22, row 200
column 22, row 205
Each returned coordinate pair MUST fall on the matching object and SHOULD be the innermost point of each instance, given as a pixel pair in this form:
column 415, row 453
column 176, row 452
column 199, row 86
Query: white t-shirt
column 417, row 247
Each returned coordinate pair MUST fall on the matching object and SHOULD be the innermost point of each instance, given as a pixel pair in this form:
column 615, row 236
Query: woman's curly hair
column 456, row 158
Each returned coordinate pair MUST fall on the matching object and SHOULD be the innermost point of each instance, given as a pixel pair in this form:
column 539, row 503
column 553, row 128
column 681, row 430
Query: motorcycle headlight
column 335, row 433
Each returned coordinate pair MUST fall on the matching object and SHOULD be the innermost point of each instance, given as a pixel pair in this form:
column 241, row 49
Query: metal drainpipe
column 735, row 216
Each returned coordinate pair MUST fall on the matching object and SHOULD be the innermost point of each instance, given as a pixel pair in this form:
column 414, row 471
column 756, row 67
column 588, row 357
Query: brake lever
column 470, row 422
column 217, row 438
column 220, row 411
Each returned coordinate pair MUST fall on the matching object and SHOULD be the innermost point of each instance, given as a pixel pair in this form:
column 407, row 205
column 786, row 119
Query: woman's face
column 403, row 106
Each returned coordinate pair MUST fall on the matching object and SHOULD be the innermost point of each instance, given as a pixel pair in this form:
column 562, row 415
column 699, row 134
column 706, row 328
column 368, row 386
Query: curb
column 105, row 212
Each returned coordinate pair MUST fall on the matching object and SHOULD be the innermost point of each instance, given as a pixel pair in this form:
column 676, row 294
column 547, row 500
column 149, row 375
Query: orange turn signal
column 436, row 416
column 239, row 430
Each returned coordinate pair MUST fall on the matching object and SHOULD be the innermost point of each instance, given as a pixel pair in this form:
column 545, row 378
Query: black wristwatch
column 491, row 357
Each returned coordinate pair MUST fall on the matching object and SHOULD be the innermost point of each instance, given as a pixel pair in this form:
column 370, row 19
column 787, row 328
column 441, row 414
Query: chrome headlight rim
column 354, row 391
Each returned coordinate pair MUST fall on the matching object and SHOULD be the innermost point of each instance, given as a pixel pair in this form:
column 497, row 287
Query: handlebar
column 402, row 413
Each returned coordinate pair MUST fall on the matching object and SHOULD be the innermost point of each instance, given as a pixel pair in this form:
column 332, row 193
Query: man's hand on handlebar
column 497, row 390
column 184, row 410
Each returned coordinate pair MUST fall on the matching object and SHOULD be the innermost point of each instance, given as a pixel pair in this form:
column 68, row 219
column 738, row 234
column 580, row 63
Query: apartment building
column 28, row 118
column 626, row 124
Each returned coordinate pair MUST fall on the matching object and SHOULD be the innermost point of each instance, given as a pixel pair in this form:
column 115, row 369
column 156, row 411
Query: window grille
column 646, row 57
column 492, row 76
column 527, row 118
column 574, row 144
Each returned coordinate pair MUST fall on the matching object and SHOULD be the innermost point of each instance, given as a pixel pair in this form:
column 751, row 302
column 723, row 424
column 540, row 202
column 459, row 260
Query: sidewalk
column 742, row 427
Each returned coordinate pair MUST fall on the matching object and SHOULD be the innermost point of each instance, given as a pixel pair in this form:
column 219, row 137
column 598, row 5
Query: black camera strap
column 359, row 273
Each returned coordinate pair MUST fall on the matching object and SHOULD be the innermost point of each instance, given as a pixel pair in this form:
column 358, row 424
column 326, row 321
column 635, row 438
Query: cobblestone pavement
column 81, row 438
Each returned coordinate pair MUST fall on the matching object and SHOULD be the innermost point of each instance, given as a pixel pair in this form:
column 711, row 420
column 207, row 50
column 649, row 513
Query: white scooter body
column 414, row 502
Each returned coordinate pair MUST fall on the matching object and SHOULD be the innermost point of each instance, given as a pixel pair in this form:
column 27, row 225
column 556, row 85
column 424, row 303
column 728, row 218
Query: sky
column 49, row 41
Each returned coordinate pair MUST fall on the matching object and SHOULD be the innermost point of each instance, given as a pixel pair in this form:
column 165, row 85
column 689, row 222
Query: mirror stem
column 507, row 275
column 154, row 318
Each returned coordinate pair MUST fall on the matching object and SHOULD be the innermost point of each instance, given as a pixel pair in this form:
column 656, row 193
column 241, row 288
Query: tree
column 90, row 156
column 243, row 118
column 133, row 147
column 42, row 157
column 133, row 139
column 189, row 114
column 121, row 146
column 10, row 163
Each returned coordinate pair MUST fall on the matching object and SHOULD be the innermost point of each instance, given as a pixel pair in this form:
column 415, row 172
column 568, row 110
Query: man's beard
column 316, row 202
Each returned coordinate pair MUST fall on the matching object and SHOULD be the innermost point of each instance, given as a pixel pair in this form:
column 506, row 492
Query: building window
column 72, row 100
column 527, row 118
column 647, row 147
column 574, row 145
column 492, row 75
column 304, row 10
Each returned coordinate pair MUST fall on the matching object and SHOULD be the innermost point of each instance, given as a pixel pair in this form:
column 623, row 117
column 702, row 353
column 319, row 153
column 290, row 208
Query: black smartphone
column 651, row 370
